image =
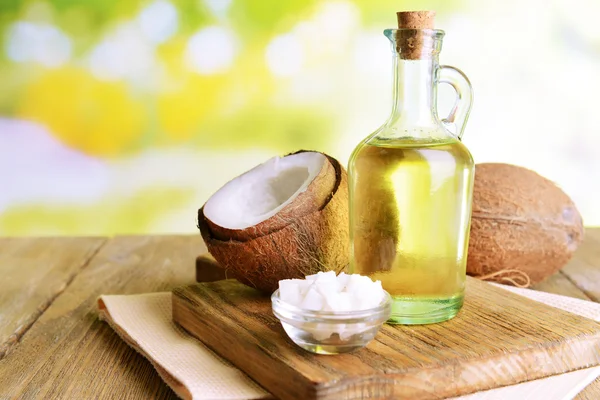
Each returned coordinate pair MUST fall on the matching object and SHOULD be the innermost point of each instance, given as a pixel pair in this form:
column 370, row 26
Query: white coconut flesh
column 262, row 192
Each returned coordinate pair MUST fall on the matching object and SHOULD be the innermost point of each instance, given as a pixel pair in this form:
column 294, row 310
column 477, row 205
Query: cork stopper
column 416, row 19
column 412, row 44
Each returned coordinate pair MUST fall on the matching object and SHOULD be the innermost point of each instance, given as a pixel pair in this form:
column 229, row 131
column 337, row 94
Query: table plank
column 560, row 284
column 34, row 272
column 592, row 392
column 574, row 280
column 69, row 353
column 584, row 269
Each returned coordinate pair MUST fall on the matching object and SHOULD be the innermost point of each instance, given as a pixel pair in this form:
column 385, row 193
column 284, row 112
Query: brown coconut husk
column 316, row 241
column 523, row 228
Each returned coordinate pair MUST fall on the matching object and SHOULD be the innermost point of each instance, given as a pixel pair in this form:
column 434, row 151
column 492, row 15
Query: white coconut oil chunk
column 328, row 293
column 262, row 192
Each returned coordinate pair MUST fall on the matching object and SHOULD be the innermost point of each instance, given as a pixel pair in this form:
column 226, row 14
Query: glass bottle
column 411, row 185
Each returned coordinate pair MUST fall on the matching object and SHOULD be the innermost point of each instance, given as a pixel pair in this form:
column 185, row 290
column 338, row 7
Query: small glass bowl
column 331, row 332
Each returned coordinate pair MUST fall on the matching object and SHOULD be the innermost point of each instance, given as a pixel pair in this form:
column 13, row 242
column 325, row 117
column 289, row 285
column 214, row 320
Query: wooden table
column 52, row 344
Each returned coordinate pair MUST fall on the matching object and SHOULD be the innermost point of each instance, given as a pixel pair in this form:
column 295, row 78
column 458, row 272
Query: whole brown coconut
column 521, row 224
column 308, row 235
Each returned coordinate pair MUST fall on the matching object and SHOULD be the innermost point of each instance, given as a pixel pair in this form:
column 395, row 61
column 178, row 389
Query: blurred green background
column 121, row 117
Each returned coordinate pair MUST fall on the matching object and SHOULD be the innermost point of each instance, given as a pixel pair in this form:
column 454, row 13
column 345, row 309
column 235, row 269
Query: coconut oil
column 410, row 213
column 411, row 185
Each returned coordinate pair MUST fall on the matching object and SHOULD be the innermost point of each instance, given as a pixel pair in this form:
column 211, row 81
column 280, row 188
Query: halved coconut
column 269, row 196
column 285, row 218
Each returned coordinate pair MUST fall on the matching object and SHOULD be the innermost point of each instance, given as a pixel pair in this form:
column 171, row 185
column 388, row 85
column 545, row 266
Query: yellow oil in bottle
column 410, row 206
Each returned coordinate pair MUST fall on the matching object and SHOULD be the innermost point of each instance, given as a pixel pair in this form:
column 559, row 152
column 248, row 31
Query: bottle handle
column 464, row 98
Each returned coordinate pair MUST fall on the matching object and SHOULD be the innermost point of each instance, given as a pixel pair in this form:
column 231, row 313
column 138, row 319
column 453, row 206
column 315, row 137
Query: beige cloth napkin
column 194, row 372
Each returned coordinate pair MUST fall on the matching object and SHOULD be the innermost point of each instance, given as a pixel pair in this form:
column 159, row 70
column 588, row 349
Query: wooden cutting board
column 497, row 339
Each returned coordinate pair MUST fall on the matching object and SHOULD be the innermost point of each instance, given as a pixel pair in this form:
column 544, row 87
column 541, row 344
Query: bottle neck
column 414, row 93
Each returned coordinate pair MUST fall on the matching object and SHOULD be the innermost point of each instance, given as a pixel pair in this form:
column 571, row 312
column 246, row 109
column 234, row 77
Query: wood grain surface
column 561, row 284
column 584, row 269
column 592, row 392
column 69, row 354
column 34, row 272
column 76, row 356
column 208, row 270
column 498, row 339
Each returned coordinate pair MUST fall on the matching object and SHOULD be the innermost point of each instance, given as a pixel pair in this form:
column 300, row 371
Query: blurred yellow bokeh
column 99, row 118
column 123, row 117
